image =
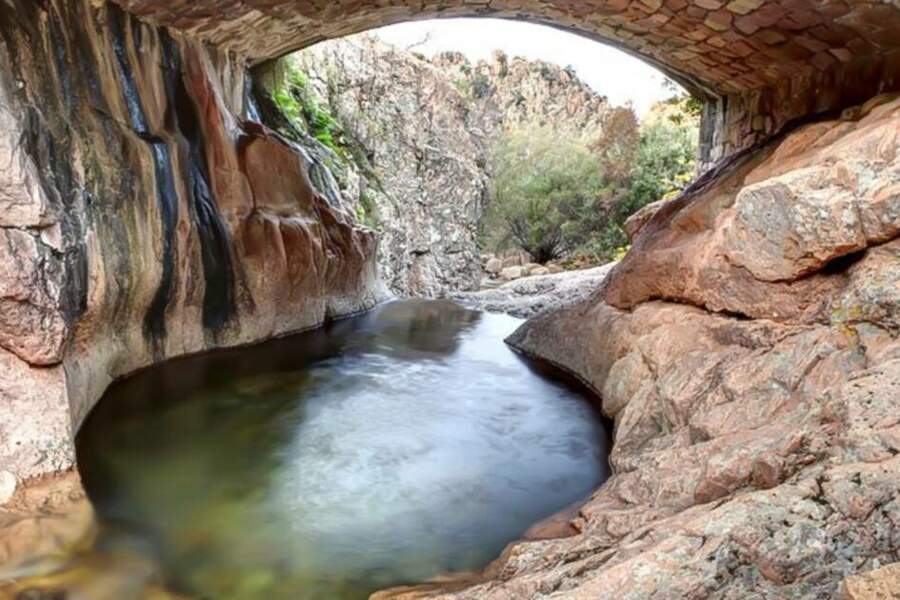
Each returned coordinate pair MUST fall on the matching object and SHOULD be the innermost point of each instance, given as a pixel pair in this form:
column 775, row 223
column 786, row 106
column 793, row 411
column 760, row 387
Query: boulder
column 510, row 273
column 766, row 237
column 493, row 266
column 554, row 268
column 512, row 261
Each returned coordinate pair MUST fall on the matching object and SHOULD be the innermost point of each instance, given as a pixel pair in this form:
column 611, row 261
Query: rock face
column 755, row 454
column 143, row 215
column 538, row 293
column 504, row 92
column 881, row 584
column 419, row 133
column 422, row 173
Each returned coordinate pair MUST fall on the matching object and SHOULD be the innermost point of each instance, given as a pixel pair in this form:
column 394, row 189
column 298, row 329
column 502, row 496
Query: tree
column 617, row 144
column 666, row 157
column 556, row 195
column 541, row 179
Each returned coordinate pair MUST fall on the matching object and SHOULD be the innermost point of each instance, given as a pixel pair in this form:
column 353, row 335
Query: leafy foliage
column 542, row 183
column 556, row 195
column 298, row 102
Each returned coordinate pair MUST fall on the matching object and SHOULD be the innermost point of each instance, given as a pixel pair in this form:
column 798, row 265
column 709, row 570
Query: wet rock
column 31, row 325
column 44, row 519
column 144, row 216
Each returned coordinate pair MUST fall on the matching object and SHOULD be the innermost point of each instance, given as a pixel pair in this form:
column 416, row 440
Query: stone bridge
column 760, row 64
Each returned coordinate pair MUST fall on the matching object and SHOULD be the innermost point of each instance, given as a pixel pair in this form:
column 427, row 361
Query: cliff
column 413, row 139
column 747, row 345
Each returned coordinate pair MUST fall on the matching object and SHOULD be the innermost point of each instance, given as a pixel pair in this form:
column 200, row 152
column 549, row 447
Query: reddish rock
column 881, row 584
column 752, row 457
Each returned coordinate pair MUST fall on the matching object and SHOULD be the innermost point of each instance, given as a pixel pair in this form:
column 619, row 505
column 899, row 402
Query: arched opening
column 522, row 153
column 759, row 65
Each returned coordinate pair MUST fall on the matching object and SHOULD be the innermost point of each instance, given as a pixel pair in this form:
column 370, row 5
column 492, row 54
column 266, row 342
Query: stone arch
column 759, row 64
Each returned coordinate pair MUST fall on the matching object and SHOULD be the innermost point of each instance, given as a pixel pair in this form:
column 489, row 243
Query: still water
column 381, row 450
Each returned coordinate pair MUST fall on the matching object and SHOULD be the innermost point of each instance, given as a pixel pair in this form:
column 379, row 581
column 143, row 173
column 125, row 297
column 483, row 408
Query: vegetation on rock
column 301, row 106
column 564, row 170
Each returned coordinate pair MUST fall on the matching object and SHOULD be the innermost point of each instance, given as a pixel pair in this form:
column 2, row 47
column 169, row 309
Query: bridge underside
column 760, row 64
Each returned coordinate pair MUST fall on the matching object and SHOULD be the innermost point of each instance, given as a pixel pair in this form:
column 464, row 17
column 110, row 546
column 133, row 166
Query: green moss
column 367, row 210
column 300, row 104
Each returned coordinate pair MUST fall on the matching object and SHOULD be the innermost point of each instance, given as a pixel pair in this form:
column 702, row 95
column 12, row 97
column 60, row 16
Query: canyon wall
column 747, row 345
column 143, row 216
column 413, row 148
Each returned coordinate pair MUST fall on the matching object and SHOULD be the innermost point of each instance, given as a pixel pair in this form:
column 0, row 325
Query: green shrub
column 555, row 195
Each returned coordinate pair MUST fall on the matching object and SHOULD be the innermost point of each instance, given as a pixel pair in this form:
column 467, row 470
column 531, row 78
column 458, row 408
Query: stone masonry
column 760, row 64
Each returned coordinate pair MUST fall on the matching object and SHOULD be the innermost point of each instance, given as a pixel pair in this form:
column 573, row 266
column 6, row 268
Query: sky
column 611, row 72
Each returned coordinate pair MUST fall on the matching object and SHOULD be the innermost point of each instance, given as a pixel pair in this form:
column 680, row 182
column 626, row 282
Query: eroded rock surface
column 418, row 135
column 757, row 241
column 529, row 296
column 747, row 346
column 143, row 215
column 755, row 455
column 881, row 584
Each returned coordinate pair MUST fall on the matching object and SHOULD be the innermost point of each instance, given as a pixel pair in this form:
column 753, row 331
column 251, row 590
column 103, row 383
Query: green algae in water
column 379, row 451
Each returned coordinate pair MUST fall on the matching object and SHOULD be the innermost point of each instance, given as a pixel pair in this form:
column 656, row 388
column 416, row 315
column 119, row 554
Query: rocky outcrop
column 509, row 91
column 755, row 454
column 416, row 138
column 47, row 518
column 143, row 215
column 757, row 242
column 414, row 167
column 529, row 296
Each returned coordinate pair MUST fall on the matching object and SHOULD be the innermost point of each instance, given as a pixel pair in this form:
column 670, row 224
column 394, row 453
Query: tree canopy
column 557, row 194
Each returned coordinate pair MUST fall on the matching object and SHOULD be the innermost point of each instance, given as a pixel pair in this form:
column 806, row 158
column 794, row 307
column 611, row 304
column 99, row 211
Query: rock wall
column 747, row 346
column 748, row 349
column 417, row 135
column 415, row 169
column 143, row 215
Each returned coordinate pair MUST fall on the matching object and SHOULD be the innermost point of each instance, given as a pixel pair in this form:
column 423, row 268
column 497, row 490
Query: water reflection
column 383, row 450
